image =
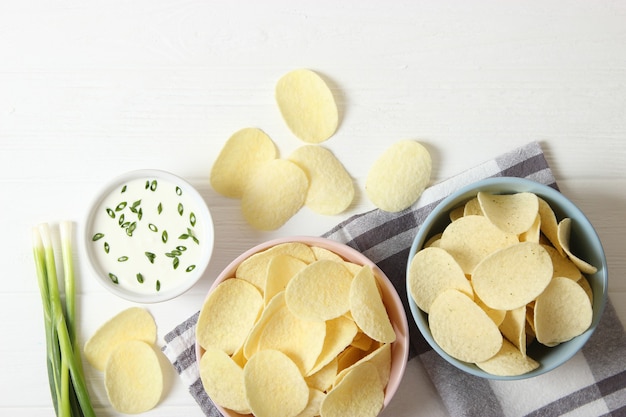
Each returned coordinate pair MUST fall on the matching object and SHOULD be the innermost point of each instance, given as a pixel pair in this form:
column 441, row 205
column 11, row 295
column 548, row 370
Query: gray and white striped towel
column 592, row 383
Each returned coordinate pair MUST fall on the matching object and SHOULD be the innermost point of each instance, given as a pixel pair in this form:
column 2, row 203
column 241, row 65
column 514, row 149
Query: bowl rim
column 202, row 212
column 514, row 185
column 400, row 346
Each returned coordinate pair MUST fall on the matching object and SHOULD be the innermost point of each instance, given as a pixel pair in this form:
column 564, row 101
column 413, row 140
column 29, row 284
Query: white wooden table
column 92, row 89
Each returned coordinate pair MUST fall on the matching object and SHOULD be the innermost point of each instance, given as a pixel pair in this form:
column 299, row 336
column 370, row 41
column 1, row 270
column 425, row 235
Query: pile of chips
column 500, row 276
column 273, row 189
column 296, row 331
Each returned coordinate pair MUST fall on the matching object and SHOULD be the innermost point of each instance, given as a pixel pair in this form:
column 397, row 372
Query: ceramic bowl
column 148, row 236
column 585, row 244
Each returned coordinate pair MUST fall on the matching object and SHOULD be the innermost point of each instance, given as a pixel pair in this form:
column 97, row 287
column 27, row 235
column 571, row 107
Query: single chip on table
column 509, row 361
column 321, row 291
column 462, row 329
column 399, row 176
column 274, row 194
column 133, row 377
column 228, row 314
column 243, row 153
column 512, row 277
column 134, row 323
column 513, row 213
column 307, row 105
column 274, row 385
column 331, row 189
column 470, row 239
column 368, row 309
column 431, row 271
column 359, row 394
column 564, row 236
column 222, row 379
column 562, row 312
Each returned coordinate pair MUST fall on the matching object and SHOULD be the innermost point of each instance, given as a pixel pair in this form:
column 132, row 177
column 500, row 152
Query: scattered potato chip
column 244, row 152
column 512, row 277
column 470, row 239
column 228, row 314
column 509, row 361
column 307, row 105
column 280, row 269
column 359, row 394
column 368, row 309
column 564, row 235
column 331, row 189
column 133, row 377
column 274, row 194
column 431, row 271
column 399, row 176
column 134, row 323
column 321, row 291
column 274, row 385
column 513, row 213
column 562, row 312
column 222, row 379
column 462, row 329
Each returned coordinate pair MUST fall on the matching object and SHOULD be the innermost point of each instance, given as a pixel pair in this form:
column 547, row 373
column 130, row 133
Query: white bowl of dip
column 149, row 236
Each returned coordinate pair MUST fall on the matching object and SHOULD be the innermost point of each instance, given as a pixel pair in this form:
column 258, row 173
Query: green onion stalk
column 68, row 388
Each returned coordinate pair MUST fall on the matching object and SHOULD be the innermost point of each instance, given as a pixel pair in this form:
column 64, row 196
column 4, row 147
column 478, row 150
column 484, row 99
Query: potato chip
column 549, row 224
column 362, row 341
column 222, row 379
column 473, row 208
column 368, row 309
column 134, row 323
column 301, row 340
column 471, row 238
column 243, row 153
column 252, row 342
column 513, row 213
column 562, row 312
column 564, row 235
column 228, row 314
column 307, row 105
column 359, row 394
column 584, row 283
column 534, row 233
column 133, row 377
column 513, row 328
column 331, row 189
column 562, row 266
column 254, row 268
column 380, row 358
column 339, row 334
column 456, row 213
column 312, row 408
column 512, row 277
column 462, row 329
column 274, row 386
column 280, row 269
column 323, row 379
column 509, row 361
column 399, row 176
column 496, row 315
column 320, row 291
column 323, row 253
column 431, row 271
column 274, row 194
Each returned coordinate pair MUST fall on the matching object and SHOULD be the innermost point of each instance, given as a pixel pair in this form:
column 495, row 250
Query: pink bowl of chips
column 307, row 318
column 507, row 279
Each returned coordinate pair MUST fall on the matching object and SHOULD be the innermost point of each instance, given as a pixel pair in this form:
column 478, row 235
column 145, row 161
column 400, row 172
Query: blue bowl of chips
column 466, row 285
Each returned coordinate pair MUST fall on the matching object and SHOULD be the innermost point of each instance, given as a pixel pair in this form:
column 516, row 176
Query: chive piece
column 192, row 236
column 158, row 285
column 147, row 184
column 121, row 220
column 97, row 236
column 150, row 256
column 153, row 227
column 159, row 208
column 122, row 259
column 106, row 247
column 170, row 254
column 192, row 218
column 179, row 191
column 175, row 262
column 124, row 188
column 132, row 227
column 184, row 236
column 113, row 278
column 190, row 268
column 111, row 213
column 164, row 236
column 129, row 232
column 139, row 214
column 181, row 248
column 176, row 252
column 125, row 225
column 140, row 278
column 121, row 206
column 180, row 208
column 153, row 185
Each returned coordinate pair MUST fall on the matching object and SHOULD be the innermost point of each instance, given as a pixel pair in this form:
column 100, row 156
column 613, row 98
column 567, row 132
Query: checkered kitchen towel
column 592, row 383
